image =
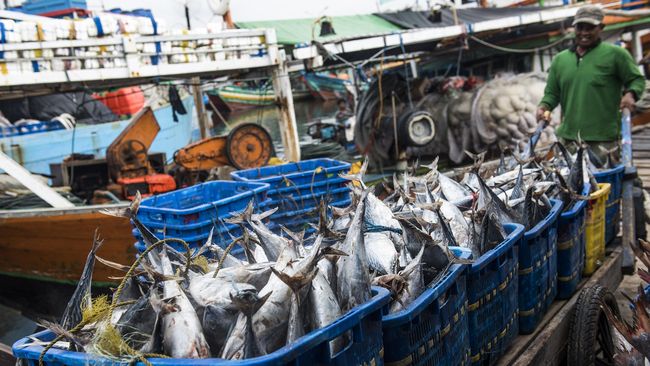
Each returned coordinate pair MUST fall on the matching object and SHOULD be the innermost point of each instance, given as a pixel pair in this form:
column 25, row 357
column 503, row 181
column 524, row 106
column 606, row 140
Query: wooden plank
column 547, row 345
column 641, row 154
column 26, row 178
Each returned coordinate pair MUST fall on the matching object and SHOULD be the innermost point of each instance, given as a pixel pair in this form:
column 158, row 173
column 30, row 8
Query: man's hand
column 542, row 115
column 628, row 101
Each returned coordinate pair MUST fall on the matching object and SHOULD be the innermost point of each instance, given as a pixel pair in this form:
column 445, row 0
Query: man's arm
column 632, row 79
column 551, row 92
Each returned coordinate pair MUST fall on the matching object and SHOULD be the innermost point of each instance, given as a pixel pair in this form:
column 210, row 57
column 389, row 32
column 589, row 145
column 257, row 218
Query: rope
column 225, row 254
column 135, row 264
column 519, row 50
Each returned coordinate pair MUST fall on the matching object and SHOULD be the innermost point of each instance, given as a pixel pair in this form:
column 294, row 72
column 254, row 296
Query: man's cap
column 589, row 14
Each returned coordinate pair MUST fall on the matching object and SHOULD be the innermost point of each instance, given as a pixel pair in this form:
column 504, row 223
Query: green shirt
column 589, row 91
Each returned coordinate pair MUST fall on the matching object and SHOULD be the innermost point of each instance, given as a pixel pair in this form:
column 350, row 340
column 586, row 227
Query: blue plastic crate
column 364, row 321
column 538, row 270
column 221, row 237
column 307, row 190
column 492, row 284
column 46, row 6
column 300, row 219
column 202, row 202
column 294, row 203
column 433, row 329
column 571, row 247
column 612, row 212
column 294, row 174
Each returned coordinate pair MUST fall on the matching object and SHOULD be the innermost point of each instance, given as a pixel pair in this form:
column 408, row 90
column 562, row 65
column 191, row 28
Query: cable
column 406, row 73
column 519, row 50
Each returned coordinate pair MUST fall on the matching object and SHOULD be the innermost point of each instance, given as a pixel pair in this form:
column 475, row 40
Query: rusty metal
column 127, row 154
column 246, row 146
column 249, row 146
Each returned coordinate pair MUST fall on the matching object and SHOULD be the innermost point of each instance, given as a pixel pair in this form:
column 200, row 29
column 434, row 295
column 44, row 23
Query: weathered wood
column 284, row 102
column 6, row 356
column 54, row 247
column 198, row 104
column 641, row 154
column 547, row 346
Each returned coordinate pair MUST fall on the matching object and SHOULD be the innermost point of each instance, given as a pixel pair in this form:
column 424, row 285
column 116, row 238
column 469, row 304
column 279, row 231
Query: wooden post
column 198, row 104
column 284, row 101
column 637, row 50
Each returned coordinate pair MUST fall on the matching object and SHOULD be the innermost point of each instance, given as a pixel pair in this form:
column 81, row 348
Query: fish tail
column 264, row 215
column 297, row 237
column 297, row 282
column 97, row 242
column 242, row 216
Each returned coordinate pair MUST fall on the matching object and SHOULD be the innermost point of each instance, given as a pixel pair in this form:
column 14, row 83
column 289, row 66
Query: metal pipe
column 627, row 206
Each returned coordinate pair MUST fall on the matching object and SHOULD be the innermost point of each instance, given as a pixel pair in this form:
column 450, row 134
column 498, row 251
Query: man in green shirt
column 592, row 81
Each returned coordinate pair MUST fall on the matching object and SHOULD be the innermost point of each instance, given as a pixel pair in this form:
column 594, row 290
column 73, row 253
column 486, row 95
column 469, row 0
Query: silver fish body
column 355, row 289
column 182, row 333
column 381, row 253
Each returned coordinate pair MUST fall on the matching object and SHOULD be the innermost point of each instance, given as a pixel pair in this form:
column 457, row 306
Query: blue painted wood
column 37, row 151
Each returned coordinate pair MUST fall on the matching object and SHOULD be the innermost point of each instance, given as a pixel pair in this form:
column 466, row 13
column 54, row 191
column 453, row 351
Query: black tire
column 591, row 337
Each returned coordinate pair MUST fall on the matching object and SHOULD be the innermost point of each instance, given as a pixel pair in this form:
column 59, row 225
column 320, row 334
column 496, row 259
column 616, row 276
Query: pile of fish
column 207, row 303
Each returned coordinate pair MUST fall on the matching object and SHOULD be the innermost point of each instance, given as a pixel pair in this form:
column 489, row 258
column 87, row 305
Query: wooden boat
column 232, row 98
column 327, row 86
column 52, row 244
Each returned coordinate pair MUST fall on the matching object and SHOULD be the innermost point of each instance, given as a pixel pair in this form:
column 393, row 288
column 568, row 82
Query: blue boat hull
column 37, row 151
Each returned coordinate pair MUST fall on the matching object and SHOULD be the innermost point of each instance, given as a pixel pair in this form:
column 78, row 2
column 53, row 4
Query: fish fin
column 434, row 165
column 264, row 215
column 206, row 246
column 126, row 212
column 477, row 158
column 296, row 282
column 111, row 264
column 333, row 252
column 242, row 216
column 297, row 237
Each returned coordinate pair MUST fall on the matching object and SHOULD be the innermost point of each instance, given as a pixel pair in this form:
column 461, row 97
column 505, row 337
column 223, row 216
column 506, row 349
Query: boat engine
column 390, row 128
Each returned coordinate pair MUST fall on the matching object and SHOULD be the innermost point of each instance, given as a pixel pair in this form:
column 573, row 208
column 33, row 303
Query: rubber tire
column 583, row 332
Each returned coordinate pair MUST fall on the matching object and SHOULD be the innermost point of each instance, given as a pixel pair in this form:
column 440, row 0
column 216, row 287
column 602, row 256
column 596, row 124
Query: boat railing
column 134, row 58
